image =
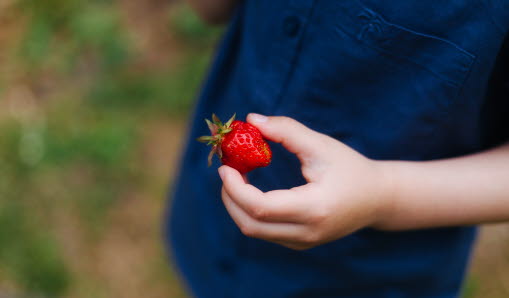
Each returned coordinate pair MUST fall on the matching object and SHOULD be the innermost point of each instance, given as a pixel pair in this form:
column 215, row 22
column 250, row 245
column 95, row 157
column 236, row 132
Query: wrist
column 388, row 194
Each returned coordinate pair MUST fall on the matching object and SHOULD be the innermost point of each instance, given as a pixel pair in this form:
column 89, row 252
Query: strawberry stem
column 229, row 122
column 218, row 130
column 216, row 120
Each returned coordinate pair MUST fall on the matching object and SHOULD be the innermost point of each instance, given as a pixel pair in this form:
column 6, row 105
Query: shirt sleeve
column 500, row 13
column 495, row 111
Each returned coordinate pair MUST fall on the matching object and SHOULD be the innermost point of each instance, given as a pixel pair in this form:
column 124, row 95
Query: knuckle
column 310, row 239
column 290, row 120
column 259, row 213
column 319, row 215
column 299, row 247
column 248, row 230
column 284, row 118
column 287, row 120
column 295, row 247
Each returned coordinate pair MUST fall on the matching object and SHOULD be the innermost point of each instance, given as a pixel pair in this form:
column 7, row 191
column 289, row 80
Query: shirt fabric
column 395, row 80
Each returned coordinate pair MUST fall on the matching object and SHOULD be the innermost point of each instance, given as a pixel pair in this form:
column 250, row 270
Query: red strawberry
column 238, row 144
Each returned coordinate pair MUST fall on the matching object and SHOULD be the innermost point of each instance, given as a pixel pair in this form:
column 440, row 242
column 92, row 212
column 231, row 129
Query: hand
column 345, row 191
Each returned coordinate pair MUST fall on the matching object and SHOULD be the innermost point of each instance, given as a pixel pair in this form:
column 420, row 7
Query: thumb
column 293, row 135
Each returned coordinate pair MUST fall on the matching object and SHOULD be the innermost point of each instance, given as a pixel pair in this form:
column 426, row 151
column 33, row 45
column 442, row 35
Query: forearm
column 467, row 190
column 214, row 11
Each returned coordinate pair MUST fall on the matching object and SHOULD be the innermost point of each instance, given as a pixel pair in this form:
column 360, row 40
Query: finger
column 293, row 245
column 244, row 177
column 290, row 205
column 251, row 227
column 274, row 206
column 293, row 135
column 237, row 185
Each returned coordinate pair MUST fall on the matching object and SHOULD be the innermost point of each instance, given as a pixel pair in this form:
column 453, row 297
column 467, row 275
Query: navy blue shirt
column 395, row 80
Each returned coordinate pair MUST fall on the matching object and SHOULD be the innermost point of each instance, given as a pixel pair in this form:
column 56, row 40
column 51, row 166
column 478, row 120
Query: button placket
column 292, row 28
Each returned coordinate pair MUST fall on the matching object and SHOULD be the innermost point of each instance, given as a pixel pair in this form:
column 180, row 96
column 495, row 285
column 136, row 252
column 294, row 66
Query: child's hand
column 345, row 190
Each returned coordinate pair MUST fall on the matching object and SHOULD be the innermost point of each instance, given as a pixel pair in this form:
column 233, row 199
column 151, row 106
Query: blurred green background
column 94, row 96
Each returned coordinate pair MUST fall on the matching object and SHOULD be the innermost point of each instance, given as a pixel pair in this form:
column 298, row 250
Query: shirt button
column 291, row 26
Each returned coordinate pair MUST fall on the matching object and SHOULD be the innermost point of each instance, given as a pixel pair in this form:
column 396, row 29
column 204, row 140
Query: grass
column 76, row 103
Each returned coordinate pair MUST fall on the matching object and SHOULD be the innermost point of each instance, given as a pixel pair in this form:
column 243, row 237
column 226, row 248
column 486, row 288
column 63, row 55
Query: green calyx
column 217, row 131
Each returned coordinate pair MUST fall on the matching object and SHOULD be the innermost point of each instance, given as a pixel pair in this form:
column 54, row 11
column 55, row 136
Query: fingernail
column 258, row 118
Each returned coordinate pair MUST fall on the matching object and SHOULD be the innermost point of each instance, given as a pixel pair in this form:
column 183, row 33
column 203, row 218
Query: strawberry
column 238, row 144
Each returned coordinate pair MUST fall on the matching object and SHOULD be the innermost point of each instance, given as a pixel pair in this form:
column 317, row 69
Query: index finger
column 273, row 206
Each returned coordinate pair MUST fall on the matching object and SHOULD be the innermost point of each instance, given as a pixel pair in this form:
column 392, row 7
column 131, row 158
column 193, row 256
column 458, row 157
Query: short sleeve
column 495, row 112
column 500, row 13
